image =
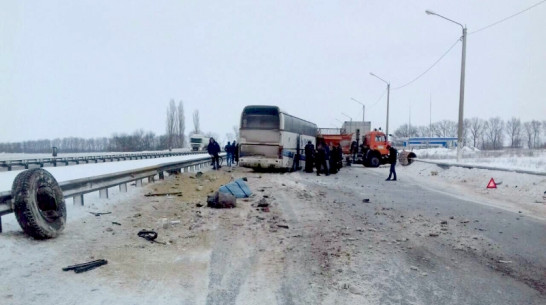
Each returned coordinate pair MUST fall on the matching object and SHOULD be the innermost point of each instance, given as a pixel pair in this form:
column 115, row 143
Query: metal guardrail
column 470, row 166
column 41, row 162
column 78, row 187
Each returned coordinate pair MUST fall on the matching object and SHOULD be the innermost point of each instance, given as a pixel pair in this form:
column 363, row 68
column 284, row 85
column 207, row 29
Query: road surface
column 317, row 242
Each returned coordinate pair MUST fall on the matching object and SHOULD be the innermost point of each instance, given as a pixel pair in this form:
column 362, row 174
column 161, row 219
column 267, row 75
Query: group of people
column 231, row 150
column 328, row 159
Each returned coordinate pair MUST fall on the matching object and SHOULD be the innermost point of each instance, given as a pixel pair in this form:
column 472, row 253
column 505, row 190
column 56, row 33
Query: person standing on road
column 213, row 149
column 229, row 152
column 234, row 151
column 309, row 157
column 354, row 150
column 392, row 160
column 320, row 159
column 333, row 159
column 339, row 157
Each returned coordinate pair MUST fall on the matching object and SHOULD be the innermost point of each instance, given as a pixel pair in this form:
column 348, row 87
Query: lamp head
column 429, row 12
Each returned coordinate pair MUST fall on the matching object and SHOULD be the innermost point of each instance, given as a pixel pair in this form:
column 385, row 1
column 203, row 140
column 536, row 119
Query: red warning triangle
column 491, row 184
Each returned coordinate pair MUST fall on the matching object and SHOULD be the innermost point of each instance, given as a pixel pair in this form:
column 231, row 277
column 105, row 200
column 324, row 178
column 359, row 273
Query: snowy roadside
column 515, row 192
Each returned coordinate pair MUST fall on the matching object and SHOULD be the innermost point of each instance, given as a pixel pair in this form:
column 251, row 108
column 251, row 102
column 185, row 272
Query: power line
column 509, row 17
column 432, row 66
column 382, row 94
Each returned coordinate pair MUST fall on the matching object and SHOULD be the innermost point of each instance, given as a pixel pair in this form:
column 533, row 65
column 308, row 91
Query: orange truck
column 336, row 136
column 374, row 151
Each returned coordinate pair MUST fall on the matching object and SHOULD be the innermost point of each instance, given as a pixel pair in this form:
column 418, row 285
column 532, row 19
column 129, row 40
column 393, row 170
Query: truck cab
column 374, row 148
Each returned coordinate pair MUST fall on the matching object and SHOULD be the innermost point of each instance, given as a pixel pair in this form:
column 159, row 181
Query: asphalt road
column 435, row 248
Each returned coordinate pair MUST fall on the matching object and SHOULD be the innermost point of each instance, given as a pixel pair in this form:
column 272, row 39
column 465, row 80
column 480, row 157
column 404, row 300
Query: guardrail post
column 123, row 188
column 139, row 183
column 151, row 179
column 103, row 193
column 78, row 200
column 0, row 224
column 186, row 169
column 161, row 175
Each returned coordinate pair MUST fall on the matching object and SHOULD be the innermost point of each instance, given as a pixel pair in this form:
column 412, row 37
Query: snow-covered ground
column 534, row 160
column 515, row 192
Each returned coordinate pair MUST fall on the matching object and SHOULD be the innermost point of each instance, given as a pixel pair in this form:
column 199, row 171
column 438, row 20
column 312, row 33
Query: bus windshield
column 260, row 118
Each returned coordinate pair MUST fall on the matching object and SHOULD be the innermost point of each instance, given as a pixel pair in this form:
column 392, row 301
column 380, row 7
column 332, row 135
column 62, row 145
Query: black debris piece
column 100, row 213
column 79, row 268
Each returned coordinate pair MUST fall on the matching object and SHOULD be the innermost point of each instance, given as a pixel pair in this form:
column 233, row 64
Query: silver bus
column 273, row 139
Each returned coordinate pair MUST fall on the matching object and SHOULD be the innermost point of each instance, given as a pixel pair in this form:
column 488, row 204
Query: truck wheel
column 374, row 161
column 38, row 203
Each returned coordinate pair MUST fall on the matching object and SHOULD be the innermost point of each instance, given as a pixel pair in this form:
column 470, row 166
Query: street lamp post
column 388, row 96
column 461, row 92
column 363, row 108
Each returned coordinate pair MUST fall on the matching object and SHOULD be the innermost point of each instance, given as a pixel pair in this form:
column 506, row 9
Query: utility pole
column 461, row 91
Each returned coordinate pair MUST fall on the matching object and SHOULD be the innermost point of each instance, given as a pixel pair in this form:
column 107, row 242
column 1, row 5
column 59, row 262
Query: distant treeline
column 484, row 134
column 138, row 141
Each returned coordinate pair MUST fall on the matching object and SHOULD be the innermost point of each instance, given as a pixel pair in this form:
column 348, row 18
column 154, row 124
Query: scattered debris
column 100, row 213
column 433, row 234
column 116, row 223
column 366, row 200
column 414, row 268
column 163, row 194
column 199, row 205
column 150, row 236
column 262, row 203
column 198, row 174
column 79, row 268
column 505, row 262
column 283, row 226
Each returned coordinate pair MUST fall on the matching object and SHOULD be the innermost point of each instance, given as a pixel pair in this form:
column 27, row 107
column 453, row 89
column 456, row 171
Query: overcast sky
column 93, row 68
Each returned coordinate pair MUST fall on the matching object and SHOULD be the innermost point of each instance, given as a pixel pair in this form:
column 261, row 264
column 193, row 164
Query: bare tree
column 181, row 128
column 513, row 129
column 171, row 124
column 536, row 126
column 196, row 128
column 494, row 130
column 423, row 131
column 476, row 129
column 528, row 134
column 444, row 129
column 236, row 132
column 406, row 131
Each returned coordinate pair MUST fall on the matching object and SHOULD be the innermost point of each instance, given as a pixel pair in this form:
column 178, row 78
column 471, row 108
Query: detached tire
column 38, row 203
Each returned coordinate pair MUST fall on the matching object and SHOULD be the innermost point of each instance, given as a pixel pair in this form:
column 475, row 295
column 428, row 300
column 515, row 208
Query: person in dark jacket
column 234, row 152
column 229, row 153
column 309, row 157
column 213, row 149
column 339, row 157
column 392, row 160
column 333, row 159
column 320, row 158
column 354, row 150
